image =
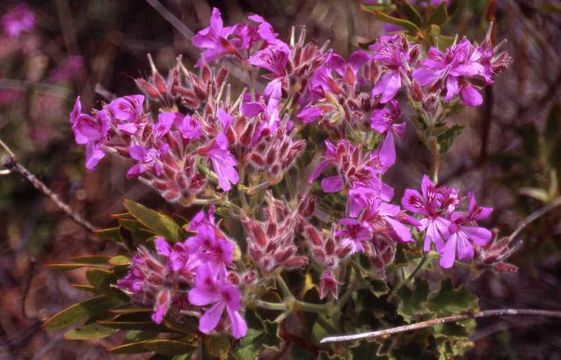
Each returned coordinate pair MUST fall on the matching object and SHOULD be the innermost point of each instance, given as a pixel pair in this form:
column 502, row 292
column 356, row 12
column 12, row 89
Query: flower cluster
column 187, row 276
column 455, row 234
column 205, row 146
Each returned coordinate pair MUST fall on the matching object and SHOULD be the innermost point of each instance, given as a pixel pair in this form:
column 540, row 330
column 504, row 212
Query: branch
column 442, row 320
column 12, row 165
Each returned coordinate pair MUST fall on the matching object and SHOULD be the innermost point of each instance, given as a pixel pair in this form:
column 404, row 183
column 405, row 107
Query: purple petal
column 470, row 96
column 202, row 297
column 239, row 326
column 403, row 233
column 163, row 301
column 332, row 184
column 162, row 246
column 211, row 317
column 448, row 254
column 387, row 86
column 465, row 248
column 478, row 235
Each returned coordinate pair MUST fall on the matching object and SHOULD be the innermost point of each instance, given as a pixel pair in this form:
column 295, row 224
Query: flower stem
column 412, row 275
column 435, row 159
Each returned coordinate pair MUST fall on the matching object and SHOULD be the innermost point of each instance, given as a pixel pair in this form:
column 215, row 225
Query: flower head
column 212, row 288
column 17, row 20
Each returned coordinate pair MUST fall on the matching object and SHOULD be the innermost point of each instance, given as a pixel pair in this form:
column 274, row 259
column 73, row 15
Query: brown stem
column 10, row 163
column 442, row 320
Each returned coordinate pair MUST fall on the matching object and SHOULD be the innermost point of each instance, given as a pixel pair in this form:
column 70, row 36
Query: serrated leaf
column 450, row 301
column 379, row 287
column 81, row 312
column 446, row 138
column 411, row 27
column 90, row 332
column 440, row 15
column 412, row 303
column 161, row 346
column 160, row 224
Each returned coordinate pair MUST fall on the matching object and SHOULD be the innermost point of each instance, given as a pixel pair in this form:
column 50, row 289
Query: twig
column 172, row 19
column 10, row 163
column 442, row 320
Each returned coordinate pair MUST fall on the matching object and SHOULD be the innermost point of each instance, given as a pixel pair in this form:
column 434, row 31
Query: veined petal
column 211, row 317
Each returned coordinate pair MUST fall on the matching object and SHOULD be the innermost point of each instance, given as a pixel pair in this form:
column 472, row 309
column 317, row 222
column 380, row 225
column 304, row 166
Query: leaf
column 450, row 301
column 84, row 287
column 440, row 15
column 412, row 28
column 81, row 312
column 110, row 234
column 161, row 346
column 410, row 13
column 446, row 138
column 379, row 287
column 119, row 260
column 90, row 332
column 160, row 224
column 73, row 266
column 132, row 325
column 90, row 259
column 100, row 279
column 218, row 346
column 535, row 193
column 413, row 302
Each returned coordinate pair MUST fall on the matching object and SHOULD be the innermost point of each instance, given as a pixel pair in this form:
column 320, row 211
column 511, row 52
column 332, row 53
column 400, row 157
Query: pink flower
column 127, row 111
column 223, row 162
column 149, row 159
column 17, row 20
column 384, row 120
column 212, row 288
column 209, row 247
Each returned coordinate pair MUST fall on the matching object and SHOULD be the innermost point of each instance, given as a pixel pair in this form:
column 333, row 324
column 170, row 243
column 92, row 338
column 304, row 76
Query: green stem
column 284, row 288
column 271, row 306
column 310, row 307
column 435, row 160
column 241, row 184
column 412, row 275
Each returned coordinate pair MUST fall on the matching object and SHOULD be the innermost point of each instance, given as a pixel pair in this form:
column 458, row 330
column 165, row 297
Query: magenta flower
column 149, row 159
column 17, row 20
column 354, row 233
column 212, row 288
column 189, row 127
column 214, row 39
column 272, row 58
column 460, row 242
column 459, row 64
column 393, row 53
column 434, row 204
column 384, row 120
column 127, row 111
column 91, row 131
column 153, row 280
column 208, row 246
column 223, row 162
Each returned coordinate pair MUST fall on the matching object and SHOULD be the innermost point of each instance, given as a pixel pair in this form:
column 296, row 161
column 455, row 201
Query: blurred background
column 509, row 154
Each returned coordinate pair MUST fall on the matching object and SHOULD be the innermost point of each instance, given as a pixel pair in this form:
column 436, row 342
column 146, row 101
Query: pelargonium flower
column 223, row 162
column 393, row 53
column 214, row 38
column 454, row 68
column 384, row 120
column 353, row 165
column 212, row 288
column 434, row 205
column 127, row 111
column 148, row 159
column 17, row 20
column 328, row 285
column 209, row 246
column 455, row 234
column 154, row 280
column 91, row 131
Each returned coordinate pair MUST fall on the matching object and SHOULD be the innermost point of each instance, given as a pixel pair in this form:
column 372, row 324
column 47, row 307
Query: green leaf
column 90, row 259
column 161, row 346
column 73, row 266
column 535, row 193
column 84, row 287
column 111, row 234
column 446, row 138
column 412, row 303
column 412, row 28
column 89, row 332
column 100, row 279
column 449, row 301
column 410, row 13
column 218, row 346
column 440, row 15
column 81, row 312
column 379, row 287
column 119, row 260
column 160, row 224
column 132, row 325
